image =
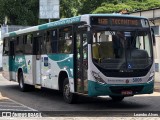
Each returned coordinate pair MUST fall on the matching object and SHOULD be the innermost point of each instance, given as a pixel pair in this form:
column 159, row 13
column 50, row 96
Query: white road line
column 10, row 106
column 23, row 105
column 13, row 110
column 7, row 103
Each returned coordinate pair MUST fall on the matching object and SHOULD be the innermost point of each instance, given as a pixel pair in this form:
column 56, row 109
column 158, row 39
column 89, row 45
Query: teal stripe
column 95, row 89
column 18, row 62
column 12, row 34
column 64, row 61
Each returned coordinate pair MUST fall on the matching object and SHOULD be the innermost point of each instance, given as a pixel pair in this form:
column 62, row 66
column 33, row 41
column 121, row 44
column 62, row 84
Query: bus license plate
column 126, row 92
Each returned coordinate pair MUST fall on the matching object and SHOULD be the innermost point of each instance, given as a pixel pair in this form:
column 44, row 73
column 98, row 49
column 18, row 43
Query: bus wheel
column 22, row 85
column 67, row 95
column 117, row 98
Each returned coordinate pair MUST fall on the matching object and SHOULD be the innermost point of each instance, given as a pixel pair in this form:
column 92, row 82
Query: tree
column 26, row 12
column 130, row 5
column 19, row 12
column 69, row 8
column 111, row 8
column 88, row 6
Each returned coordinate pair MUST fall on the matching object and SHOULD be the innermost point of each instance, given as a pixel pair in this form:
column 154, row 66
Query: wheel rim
column 67, row 91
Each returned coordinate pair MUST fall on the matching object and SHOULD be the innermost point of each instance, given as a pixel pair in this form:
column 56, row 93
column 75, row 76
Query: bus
column 92, row 54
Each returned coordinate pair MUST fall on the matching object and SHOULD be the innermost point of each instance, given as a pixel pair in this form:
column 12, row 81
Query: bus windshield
column 122, row 49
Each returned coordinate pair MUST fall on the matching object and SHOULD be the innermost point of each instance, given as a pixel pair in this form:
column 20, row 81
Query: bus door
column 81, row 66
column 37, row 59
column 12, row 60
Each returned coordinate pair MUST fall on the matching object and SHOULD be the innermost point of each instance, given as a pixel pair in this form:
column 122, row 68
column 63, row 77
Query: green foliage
column 130, row 5
column 70, row 8
column 88, row 6
column 26, row 12
column 111, row 8
column 19, row 12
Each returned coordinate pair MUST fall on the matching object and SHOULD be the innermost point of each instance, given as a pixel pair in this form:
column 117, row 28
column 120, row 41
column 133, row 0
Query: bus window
column 48, row 43
column 65, row 40
column 43, row 44
column 5, row 47
column 143, row 43
column 28, row 44
column 18, row 45
column 54, row 41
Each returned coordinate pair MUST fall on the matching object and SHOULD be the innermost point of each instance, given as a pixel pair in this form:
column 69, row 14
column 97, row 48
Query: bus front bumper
column 96, row 89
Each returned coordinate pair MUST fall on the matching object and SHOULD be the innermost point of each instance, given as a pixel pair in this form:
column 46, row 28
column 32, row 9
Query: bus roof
column 66, row 21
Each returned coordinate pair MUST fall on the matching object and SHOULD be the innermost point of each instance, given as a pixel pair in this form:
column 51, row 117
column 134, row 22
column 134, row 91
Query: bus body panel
column 6, row 72
column 12, row 67
column 19, row 62
column 23, row 62
column 52, row 65
column 28, row 76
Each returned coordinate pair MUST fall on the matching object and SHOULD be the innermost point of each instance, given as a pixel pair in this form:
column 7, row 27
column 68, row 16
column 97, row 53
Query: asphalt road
column 50, row 100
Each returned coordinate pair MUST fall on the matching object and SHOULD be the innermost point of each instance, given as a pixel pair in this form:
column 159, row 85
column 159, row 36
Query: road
column 50, row 100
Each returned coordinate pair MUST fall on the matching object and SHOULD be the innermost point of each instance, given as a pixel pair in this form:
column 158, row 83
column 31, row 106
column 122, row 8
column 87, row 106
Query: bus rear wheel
column 22, row 85
column 117, row 98
column 67, row 95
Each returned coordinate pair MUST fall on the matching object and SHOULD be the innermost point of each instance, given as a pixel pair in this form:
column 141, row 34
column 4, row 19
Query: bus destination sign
column 123, row 21
column 103, row 21
column 116, row 21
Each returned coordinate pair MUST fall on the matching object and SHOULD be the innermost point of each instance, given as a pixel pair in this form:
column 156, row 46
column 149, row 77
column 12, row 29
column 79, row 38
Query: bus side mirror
column 153, row 37
column 89, row 34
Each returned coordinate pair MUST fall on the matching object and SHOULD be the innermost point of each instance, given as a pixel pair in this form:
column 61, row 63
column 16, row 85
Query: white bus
column 92, row 54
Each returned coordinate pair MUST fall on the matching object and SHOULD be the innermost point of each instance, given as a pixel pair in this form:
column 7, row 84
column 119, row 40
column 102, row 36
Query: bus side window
column 54, row 41
column 48, row 43
column 65, row 40
column 19, row 45
column 28, row 44
column 5, row 47
column 43, row 43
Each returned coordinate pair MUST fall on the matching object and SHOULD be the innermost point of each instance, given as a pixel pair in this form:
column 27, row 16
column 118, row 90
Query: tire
column 67, row 95
column 117, row 98
column 22, row 85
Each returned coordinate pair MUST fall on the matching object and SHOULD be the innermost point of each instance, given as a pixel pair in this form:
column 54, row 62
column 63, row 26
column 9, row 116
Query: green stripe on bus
column 12, row 34
column 64, row 61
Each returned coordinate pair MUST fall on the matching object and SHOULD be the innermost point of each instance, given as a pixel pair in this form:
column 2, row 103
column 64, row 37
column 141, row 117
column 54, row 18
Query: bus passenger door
column 81, row 62
column 12, row 60
column 37, row 59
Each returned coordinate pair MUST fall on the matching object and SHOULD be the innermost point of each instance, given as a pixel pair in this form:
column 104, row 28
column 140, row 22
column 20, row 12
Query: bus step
column 38, row 86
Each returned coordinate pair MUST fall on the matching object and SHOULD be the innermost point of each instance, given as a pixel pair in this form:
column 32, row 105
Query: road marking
column 22, row 105
column 7, row 104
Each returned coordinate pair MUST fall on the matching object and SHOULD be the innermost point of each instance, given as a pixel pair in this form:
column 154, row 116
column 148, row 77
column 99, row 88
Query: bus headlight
column 98, row 78
column 151, row 78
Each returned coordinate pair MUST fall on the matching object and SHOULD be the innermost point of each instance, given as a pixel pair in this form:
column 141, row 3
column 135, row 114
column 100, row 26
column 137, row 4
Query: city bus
column 92, row 54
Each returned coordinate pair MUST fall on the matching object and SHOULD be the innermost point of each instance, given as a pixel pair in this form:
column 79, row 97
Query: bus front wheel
column 22, row 85
column 117, row 98
column 67, row 95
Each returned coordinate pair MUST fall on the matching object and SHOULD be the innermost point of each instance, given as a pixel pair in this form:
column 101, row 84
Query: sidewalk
column 157, row 86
